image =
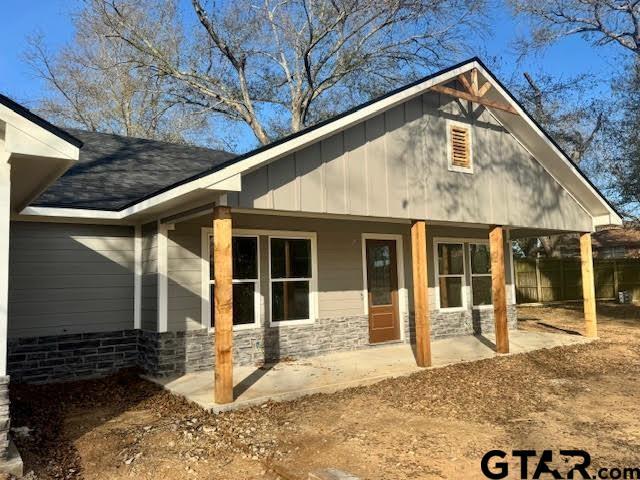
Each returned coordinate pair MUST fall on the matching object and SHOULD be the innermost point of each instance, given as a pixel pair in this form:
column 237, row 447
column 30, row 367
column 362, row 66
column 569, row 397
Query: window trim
column 313, row 280
column 464, row 293
column 206, row 281
column 456, row 168
column 471, row 274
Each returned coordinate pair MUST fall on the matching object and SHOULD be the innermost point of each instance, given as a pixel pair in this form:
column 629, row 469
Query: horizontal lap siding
column 340, row 276
column 465, row 235
column 184, row 271
column 68, row 278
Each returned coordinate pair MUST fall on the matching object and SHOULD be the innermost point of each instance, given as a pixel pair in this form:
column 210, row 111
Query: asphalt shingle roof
column 114, row 171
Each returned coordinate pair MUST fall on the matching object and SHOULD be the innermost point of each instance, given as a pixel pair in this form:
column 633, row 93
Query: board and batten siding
column 395, row 165
column 149, row 304
column 70, row 278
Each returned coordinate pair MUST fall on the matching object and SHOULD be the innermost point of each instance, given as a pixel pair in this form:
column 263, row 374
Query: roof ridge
column 151, row 140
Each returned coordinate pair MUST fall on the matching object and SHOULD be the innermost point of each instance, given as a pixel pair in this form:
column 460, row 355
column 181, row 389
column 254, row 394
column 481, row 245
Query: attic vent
column 460, row 147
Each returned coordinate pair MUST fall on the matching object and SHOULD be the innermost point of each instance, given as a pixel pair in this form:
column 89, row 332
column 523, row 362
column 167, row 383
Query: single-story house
column 391, row 222
column 607, row 243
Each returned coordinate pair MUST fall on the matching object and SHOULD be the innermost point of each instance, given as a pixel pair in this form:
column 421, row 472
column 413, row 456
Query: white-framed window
column 450, row 275
column 480, row 269
column 292, row 278
column 459, row 147
column 246, row 280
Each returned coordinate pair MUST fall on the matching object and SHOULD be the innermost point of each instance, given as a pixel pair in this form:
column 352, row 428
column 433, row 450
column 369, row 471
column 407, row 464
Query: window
column 291, row 275
column 613, row 252
column 451, row 274
column 246, row 295
column 459, row 147
column 480, row 259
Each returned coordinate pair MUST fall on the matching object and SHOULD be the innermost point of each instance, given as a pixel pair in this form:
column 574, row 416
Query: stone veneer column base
column 10, row 460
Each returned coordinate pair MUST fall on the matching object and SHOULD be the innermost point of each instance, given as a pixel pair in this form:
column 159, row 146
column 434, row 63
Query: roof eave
column 269, row 153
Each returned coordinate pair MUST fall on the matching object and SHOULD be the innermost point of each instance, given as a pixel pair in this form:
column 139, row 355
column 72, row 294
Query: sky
column 52, row 19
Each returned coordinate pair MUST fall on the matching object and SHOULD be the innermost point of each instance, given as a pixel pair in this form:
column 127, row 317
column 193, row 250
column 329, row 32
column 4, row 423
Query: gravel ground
column 433, row 424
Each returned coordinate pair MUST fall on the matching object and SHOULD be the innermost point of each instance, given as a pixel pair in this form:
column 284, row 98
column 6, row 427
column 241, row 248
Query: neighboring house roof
column 602, row 240
column 41, row 122
column 521, row 125
column 615, row 237
column 114, row 171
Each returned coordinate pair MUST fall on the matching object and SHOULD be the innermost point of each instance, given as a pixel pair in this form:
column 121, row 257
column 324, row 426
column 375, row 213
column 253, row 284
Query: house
column 608, row 243
column 391, row 222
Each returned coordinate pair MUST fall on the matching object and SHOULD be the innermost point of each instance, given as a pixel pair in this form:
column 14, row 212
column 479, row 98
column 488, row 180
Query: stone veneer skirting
column 5, row 423
column 179, row 352
column 71, row 357
column 477, row 321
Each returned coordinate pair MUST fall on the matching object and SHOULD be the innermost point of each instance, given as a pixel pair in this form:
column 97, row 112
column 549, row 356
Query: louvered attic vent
column 460, row 151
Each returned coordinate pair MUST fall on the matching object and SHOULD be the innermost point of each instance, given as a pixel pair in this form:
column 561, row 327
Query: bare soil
column 433, row 424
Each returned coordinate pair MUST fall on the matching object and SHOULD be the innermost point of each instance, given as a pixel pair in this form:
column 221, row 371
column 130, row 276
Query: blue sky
column 52, row 18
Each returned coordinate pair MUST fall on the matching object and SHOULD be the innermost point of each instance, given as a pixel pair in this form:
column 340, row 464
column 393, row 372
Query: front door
column 382, row 286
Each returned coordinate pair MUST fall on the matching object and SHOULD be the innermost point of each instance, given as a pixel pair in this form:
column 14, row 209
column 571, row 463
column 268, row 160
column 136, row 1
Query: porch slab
column 336, row 371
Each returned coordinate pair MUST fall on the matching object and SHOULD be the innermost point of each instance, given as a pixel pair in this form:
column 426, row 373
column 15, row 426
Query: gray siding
column 339, row 244
column 149, row 277
column 395, row 165
column 443, row 232
column 184, row 276
column 68, row 278
column 340, row 269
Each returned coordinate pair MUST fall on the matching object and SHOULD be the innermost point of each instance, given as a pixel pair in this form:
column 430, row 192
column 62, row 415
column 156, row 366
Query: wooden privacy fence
column 553, row 280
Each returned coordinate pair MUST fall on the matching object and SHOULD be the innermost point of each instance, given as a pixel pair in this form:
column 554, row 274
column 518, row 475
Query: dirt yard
column 434, row 424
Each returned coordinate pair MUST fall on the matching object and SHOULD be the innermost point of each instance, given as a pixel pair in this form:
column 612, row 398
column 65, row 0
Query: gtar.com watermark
column 534, row 465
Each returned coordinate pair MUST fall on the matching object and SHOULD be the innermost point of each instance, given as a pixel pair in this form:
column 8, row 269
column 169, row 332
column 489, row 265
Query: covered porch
column 288, row 380
column 447, row 272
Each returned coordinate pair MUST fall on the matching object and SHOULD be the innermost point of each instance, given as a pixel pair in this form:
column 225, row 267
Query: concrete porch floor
column 337, row 371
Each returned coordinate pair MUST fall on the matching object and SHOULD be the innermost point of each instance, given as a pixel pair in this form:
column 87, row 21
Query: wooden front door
column 382, row 286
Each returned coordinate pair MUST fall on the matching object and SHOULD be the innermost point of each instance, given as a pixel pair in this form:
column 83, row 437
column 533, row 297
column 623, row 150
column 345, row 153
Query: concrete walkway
column 336, row 371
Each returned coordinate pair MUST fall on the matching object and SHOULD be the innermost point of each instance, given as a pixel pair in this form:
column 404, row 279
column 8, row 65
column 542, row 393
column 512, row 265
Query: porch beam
column 223, row 304
column 420, row 297
column 588, row 286
column 498, row 288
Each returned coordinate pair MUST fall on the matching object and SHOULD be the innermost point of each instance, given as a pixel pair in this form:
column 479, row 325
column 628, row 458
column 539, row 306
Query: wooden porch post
column 420, row 298
column 223, row 304
column 498, row 288
column 588, row 287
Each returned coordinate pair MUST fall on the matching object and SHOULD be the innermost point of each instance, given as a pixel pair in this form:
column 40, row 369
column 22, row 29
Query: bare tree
column 565, row 110
column 621, row 163
column 614, row 23
column 279, row 65
column 94, row 84
column 602, row 22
